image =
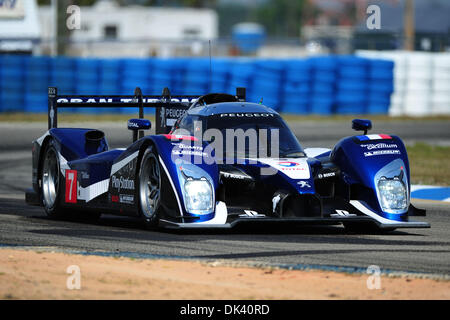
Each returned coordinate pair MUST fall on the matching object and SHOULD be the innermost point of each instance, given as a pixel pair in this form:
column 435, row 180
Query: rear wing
column 168, row 108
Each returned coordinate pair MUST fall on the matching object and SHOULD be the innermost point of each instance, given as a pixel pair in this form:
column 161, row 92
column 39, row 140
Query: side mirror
column 139, row 124
column 361, row 125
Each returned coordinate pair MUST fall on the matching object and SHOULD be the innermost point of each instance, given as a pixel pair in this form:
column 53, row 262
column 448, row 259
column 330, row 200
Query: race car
column 184, row 176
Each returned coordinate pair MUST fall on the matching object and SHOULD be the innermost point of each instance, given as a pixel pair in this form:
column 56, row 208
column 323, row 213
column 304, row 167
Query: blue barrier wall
column 317, row 85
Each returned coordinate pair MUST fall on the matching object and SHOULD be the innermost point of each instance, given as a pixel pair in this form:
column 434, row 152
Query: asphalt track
column 410, row 250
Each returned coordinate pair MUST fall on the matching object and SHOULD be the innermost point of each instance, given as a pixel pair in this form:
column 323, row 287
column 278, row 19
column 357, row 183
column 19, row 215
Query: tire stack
column 352, row 85
column 220, row 75
column 179, row 66
column 440, row 86
column 110, row 75
column 162, row 75
column 12, row 74
column 37, row 79
column 323, row 78
column 87, row 76
column 62, row 75
column 109, row 79
column 241, row 75
column 268, row 83
column 136, row 73
column 400, row 78
column 381, row 86
column 297, row 87
column 197, row 77
column 87, row 81
column 418, row 84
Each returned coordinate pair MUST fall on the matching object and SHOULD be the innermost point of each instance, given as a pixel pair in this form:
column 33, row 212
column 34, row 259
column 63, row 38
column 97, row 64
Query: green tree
column 281, row 18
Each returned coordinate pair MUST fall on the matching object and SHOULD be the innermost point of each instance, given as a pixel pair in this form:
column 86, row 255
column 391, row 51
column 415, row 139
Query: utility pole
column 409, row 30
column 62, row 32
column 54, row 39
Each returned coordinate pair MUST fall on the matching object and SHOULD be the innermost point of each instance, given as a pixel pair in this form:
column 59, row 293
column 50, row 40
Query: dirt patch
column 28, row 274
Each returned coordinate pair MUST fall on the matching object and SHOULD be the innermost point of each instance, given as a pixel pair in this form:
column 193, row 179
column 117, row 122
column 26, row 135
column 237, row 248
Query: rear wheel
column 149, row 191
column 51, row 182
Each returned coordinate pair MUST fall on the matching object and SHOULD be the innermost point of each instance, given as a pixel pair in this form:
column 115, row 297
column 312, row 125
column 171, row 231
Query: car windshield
column 259, row 136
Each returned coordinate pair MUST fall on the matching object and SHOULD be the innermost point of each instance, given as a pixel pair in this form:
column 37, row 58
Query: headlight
column 198, row 196
column 393, row 198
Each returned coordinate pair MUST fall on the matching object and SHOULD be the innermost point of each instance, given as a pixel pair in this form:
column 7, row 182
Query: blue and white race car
column 185, row 176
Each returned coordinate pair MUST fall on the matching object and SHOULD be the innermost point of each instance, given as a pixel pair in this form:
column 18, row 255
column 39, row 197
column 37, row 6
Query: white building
column 106, row 29
column 19, row 25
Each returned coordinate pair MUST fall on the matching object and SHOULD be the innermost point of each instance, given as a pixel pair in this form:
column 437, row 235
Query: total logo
column 288, row 164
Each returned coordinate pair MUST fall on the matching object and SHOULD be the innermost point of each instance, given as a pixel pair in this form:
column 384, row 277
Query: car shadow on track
column 253, row 229
column 132, row 230
column 18, row 207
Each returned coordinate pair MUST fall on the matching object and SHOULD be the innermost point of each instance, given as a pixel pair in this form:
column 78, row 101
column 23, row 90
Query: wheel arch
column 42, row 149
column 167, row 208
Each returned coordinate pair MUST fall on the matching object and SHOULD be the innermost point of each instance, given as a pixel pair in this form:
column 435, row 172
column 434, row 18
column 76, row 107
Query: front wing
column 227, row 218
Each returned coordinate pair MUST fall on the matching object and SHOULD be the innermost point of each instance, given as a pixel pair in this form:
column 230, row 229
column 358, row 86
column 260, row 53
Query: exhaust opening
column 95, row 142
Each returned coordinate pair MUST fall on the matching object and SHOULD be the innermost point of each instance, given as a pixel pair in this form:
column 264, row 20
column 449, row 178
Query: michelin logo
column 379, row 146
column 181, row 149
column 380, row 152
column 126, row 198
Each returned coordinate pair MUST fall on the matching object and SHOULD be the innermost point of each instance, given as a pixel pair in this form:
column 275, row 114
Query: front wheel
column 149, row 191
column 51, row 182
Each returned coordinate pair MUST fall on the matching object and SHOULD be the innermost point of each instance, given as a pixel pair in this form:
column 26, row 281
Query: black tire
column 51, row 182
column 149, row 188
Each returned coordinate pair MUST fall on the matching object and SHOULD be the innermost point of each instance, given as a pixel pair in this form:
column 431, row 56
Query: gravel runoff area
column 44, row 274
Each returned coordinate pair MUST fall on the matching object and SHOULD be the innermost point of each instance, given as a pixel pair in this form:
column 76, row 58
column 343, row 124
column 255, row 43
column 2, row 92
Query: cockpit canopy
column 214, row 98
column 245, row 134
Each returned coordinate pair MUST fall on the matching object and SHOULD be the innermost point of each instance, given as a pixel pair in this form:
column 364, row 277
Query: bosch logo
column 326, row 175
